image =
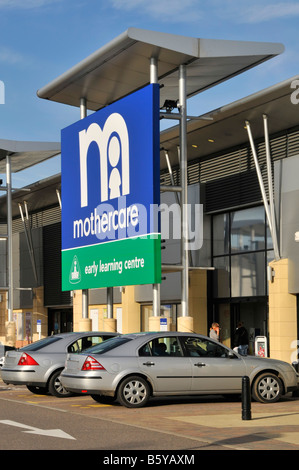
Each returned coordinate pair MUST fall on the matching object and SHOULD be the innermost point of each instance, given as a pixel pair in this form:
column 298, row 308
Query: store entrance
column 60, row 320
column 253, row 314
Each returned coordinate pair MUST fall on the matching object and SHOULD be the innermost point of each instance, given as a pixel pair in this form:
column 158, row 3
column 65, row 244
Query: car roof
column 84, row 333
column 162, row 334
column 62, row 340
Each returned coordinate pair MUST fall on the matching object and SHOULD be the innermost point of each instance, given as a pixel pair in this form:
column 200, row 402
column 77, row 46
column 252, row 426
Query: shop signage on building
column 110, row 176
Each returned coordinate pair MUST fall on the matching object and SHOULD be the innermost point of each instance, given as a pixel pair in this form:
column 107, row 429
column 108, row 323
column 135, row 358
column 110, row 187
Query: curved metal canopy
column 227, row 129
column 122, row 67
column 26, row 154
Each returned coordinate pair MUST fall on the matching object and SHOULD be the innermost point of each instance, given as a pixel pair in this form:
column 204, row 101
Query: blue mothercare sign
column 110, row 182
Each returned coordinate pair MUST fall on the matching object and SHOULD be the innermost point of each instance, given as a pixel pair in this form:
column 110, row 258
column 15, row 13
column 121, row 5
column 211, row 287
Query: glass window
column 86, row 342
column 167, row 346
column 221, row 234
column 269, row 238
column 221, row 277
column 41, row 343
column 270, row 256
column 108, row 345
column 3, row 263
column 200, row 347
column 248, row 230
column 248, row 275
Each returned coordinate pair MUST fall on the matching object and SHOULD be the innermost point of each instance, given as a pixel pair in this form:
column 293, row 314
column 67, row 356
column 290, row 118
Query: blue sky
column 41, row 39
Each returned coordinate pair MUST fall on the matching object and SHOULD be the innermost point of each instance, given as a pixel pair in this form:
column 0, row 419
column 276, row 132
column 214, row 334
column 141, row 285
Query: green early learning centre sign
column 110, row 174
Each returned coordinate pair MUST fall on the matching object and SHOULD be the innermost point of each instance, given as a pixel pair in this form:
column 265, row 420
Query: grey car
column 131, row 368
column 38, row 365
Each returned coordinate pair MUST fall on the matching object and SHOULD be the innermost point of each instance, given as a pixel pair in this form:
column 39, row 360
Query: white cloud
column 9, row 56
column 164, row 10
column 237, row 11
column 257, row 13
column 242, row 11
column 25, row 4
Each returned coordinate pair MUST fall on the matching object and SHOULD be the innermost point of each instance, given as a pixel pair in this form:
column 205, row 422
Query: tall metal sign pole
column 156, row 287
column 83, row 114
column 9, row 239
column 184, row 196
column 10, row 325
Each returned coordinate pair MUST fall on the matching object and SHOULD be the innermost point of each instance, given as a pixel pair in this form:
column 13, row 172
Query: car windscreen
column 107, row 345
column 40, row 344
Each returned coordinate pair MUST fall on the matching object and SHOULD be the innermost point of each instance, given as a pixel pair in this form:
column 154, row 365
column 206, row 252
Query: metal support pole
column 58, row 197
column 29, row 240
column 153, row 70
column 156, row 287
column 83, row 109
column 109, row 302
column 270, row 184
column 171, row 177
column 9, row 239
column 184, row 197
column 83, row 113
column 270, row 214
column 176, row 190
column 259, row 175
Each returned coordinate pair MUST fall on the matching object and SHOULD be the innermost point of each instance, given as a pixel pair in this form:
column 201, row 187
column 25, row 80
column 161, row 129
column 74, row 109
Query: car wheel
column 37, row 390
column 56, row 388
column 267, row 388
column 104, row 399
column 133, row 392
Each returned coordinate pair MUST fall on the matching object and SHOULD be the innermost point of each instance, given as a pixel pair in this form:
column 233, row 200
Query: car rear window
column 40, row 344
column 107, row 345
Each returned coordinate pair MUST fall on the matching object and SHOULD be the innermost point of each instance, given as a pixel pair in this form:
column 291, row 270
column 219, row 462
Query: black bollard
column 246, row 399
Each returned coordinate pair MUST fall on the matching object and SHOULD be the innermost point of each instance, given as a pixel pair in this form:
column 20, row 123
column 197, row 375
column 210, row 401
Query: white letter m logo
column 110, row 150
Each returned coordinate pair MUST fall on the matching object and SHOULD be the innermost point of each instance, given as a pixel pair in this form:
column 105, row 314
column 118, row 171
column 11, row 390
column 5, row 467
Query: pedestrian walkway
column 210, row 422
column 217, row 423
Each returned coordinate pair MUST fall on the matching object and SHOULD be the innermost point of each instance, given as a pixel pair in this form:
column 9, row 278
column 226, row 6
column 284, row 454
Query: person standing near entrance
column 214, row 331
column 241, row 340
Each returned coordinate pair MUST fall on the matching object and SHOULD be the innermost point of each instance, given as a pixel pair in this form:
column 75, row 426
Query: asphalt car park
column 188, row 419
column 187, row 423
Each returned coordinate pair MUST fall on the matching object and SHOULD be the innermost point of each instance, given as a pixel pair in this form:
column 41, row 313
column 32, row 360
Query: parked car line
column 132, row 368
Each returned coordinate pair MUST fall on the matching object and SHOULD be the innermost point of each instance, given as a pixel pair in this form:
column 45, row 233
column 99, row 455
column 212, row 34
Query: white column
column 156, row 287
column 9, row 239
column 83, row 113
column 184, row 186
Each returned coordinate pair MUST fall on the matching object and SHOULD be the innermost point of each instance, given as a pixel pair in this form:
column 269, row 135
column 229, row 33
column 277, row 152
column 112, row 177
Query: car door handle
column 200, row 364
column 149, row 363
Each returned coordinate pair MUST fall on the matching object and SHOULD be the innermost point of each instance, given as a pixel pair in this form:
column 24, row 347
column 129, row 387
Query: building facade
column 235, row 272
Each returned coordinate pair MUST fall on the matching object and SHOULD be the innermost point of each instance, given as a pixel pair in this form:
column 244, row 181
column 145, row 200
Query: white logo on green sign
column 75, row 272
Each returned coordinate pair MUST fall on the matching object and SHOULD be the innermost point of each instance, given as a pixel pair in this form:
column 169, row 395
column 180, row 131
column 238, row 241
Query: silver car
column 131, row 368
column 38, row 365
